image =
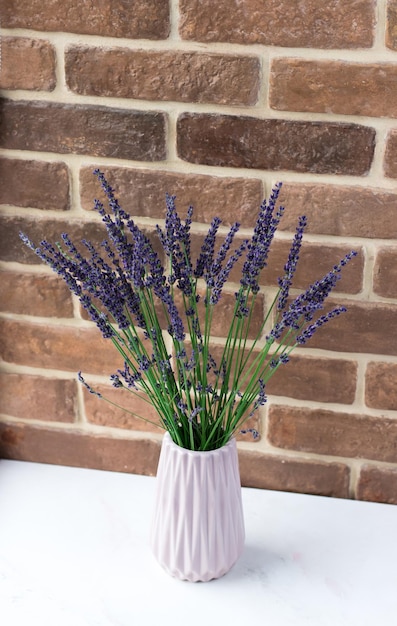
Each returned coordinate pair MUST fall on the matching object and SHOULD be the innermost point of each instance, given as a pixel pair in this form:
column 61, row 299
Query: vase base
column 194, row 577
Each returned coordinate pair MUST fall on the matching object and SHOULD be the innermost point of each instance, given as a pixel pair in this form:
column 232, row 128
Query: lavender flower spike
column 87, row 386
column 252, row 431
column 205, row 260
column 290, row 266
column 264, row 231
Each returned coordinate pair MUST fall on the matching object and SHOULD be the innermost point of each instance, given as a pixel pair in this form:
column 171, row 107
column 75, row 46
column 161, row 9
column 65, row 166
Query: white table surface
column 74, row 551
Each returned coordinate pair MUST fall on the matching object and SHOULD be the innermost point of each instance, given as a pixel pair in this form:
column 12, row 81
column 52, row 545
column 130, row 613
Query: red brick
column 66, row 348
column 316, row 86
column 142, row 19
column 320, row 431
column 391, row 24
column 307, row 24
column 99, row 411
column 315, row 379
column 385, row 273
column 344, row 211
column 316, row 147
column 142, row 194
column 381, row 386
column 27, row 64
column 163, row 75
column 35, row 397
column 34, row 294
column 82, row 129
column 390, row 165
column 265, row 471
column 45, row 185
column 76, row 448
column 377, row 484
column 367, row 327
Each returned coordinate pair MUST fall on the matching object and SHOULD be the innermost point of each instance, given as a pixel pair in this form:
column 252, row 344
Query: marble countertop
column 74, row 551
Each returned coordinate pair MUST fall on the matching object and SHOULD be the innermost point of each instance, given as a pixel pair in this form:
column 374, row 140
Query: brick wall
column 214, row 102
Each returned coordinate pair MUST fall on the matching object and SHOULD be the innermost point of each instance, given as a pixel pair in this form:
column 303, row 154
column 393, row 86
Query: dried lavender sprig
column 205, row 259
column 99, row 395
column 87, row 386
column 224, row 273
column 101, row 282
column 176, row 244
column 291, row 265
column 264, row 231
column 309, row 331
column 72, row 273
column 252, row 431
column 223, row 250
column 309, row 302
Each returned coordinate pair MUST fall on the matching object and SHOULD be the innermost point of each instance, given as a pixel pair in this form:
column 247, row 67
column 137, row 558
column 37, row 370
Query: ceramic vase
column 198, row 524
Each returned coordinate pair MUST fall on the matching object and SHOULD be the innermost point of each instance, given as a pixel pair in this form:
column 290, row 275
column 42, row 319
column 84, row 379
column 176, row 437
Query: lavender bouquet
column 128, row 293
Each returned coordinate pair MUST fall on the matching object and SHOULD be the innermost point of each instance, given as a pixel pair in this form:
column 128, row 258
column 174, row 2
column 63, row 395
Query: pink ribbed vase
column 198, row 524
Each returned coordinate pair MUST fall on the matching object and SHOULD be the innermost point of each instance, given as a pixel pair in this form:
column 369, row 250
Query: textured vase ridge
column 198, row 525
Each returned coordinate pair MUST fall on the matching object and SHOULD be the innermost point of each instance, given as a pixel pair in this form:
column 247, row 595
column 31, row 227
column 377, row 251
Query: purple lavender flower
column 196, row 411
column 224, row 273
column 252, row 431
column 131, row 378
column 205, row 260
column 261, row 398
column 242, row 309
column 176, row 244
column 308, row 332
column 192, row 361
column 305, row 306
column 109, row 192
column 290, row 266
column 116, row 382
column 87, row 386
column 175, row 328
column 223, row 250
column 164, row 366
column 258, row 249
column 143, row 362
column 182, row 406
column 211, row 365
column 54, row 259
column 196, row 329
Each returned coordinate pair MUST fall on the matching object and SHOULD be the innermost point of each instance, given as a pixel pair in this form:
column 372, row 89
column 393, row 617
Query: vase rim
column 169, row 441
